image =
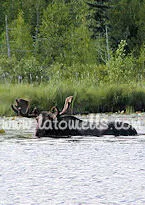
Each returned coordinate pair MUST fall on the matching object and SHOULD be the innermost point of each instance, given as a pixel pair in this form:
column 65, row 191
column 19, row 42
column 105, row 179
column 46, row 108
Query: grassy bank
column 105, row 98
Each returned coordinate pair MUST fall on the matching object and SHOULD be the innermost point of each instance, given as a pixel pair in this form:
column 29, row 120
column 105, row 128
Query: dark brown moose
column 57, row 124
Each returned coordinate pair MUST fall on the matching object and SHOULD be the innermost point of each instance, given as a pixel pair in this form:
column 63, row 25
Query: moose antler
column 22, row 108
column 22, row 105
column 67, row 104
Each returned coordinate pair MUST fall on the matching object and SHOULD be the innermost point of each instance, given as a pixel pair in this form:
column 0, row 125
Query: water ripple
column 76, row 171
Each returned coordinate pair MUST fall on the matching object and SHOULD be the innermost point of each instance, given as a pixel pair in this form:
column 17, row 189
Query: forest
column 94, row 49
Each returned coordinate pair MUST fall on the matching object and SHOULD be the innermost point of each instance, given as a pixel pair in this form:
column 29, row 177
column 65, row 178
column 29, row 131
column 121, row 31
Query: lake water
column 77, row 171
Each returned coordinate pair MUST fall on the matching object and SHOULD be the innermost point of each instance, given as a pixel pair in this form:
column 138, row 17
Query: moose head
column 52, row 116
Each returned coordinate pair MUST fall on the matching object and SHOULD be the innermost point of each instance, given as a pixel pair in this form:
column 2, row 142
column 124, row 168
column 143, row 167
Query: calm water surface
column 108, row 170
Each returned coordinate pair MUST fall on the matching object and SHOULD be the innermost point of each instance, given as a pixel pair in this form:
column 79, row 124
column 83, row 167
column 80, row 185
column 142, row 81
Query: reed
column 87, row 98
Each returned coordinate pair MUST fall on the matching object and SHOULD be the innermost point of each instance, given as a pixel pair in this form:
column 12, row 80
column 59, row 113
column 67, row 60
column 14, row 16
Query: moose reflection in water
column 55, row 123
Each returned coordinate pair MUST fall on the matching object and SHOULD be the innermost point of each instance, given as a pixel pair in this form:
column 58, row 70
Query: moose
column 55, row 123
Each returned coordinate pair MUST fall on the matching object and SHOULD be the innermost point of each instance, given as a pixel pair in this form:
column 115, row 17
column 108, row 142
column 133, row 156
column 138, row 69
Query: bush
column 92, row 74
column 25, row 70
column 121, row 67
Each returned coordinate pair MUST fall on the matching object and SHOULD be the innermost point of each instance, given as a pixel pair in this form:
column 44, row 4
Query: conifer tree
column 100, row 27
column 21, row 41
column 100, row 15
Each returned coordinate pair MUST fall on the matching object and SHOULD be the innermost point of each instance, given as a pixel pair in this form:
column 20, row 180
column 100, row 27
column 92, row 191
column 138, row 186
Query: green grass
column 87, row 98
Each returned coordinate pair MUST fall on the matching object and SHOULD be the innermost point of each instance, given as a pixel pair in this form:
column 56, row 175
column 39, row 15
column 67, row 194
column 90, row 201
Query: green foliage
column 25, row 70
column 7, row 66
column 127, row 22
column 140, row 71
column 21, row 40
column 64, row 36
column 100, row 16
column 121, row 67
column 58, row 40
column 88, row 73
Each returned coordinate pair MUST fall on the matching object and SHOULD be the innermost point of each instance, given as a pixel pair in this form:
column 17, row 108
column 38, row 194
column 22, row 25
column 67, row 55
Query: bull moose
column 55, row 123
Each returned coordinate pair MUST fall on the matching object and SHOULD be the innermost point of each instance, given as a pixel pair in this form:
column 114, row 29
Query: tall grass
column 87, row 98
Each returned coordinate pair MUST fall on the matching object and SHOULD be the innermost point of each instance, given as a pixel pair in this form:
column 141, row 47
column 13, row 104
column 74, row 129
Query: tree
column 64, row 35
column 21, row 41
column 127, row 23
column 101, row 27
column 100, row 8
column 121, row 67
column 32, row 12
